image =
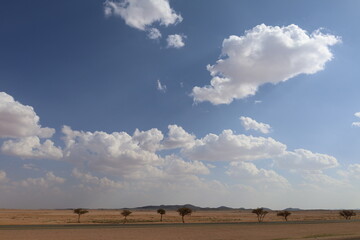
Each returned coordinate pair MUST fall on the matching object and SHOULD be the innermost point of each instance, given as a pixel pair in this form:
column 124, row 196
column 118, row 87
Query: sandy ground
column 145, row 225
column 23, row 217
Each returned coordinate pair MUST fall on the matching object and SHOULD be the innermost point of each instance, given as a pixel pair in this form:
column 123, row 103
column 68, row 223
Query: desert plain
column 202, row 225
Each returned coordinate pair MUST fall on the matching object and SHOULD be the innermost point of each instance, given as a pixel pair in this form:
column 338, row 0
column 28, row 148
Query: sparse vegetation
column 347, row 214
column 260, row 213
column 183, row 212
column 284, row 214
column 161, row 212
column 79, row 212
column 125, row 213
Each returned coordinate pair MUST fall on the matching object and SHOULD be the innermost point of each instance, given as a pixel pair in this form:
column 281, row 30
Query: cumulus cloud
column 128, row 157
column 231, row 147
column 177, row 137
column 18, row 120
column 248, row 173
column 160, row 87
column 175, row 41
column 31, row 147
column 141, row 14
column 265, row 54
column 251, row 124
column 154, row 33
column 117, row 153
column 305, row 160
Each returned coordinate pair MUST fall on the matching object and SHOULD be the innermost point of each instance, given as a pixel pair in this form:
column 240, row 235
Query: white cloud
column 160, row 87
column 178, row 138
column 141, row 14
column 117, row 153
column 353, row 171
column 317, row 179
column 18, row 120
column 30, row 166
column 177, row 166
column 148, row 140
column 356, row 124
column 154, row 33
column 31, row 147
column 302, row 159
column 265, row 54
column 248, row 173
column 230, row 147
column 49, row 180
column 3, row 176
column 103, row 182
column 175, row 41
column 251, row 124
column 129, row 157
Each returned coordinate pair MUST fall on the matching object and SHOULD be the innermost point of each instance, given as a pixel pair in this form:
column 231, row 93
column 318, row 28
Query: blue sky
column 135, row 102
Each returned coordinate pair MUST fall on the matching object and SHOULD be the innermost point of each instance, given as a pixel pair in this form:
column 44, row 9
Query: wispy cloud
column 356, row 124
column 160, row 87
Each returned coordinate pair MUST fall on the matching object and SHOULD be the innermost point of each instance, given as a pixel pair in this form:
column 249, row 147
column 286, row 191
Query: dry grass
column 23, row 217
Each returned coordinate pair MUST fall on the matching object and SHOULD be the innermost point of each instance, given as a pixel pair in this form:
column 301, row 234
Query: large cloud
column 141, row 14
column 18, row 120
column 265, row 54
column 131, row 157
column 228, row 146
column 22, row 123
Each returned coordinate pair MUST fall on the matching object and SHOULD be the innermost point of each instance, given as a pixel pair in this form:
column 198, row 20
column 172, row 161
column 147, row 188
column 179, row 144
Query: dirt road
column 250, row 231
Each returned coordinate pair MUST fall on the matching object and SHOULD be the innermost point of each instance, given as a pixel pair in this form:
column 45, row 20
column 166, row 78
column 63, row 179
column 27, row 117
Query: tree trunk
column 161, row 218
column 78, row 218
column 124, row 220
column 183, row 219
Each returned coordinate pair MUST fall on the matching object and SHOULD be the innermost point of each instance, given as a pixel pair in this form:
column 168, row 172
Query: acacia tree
column 161, row 212
column 183, row 212
column 79, row 212
column 125, row 213
column 347, row 214
column 284, row 214
column 260, row 213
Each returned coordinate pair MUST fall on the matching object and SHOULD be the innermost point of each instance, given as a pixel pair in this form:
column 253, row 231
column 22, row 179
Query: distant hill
column 293, row 209
column 193, row 207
